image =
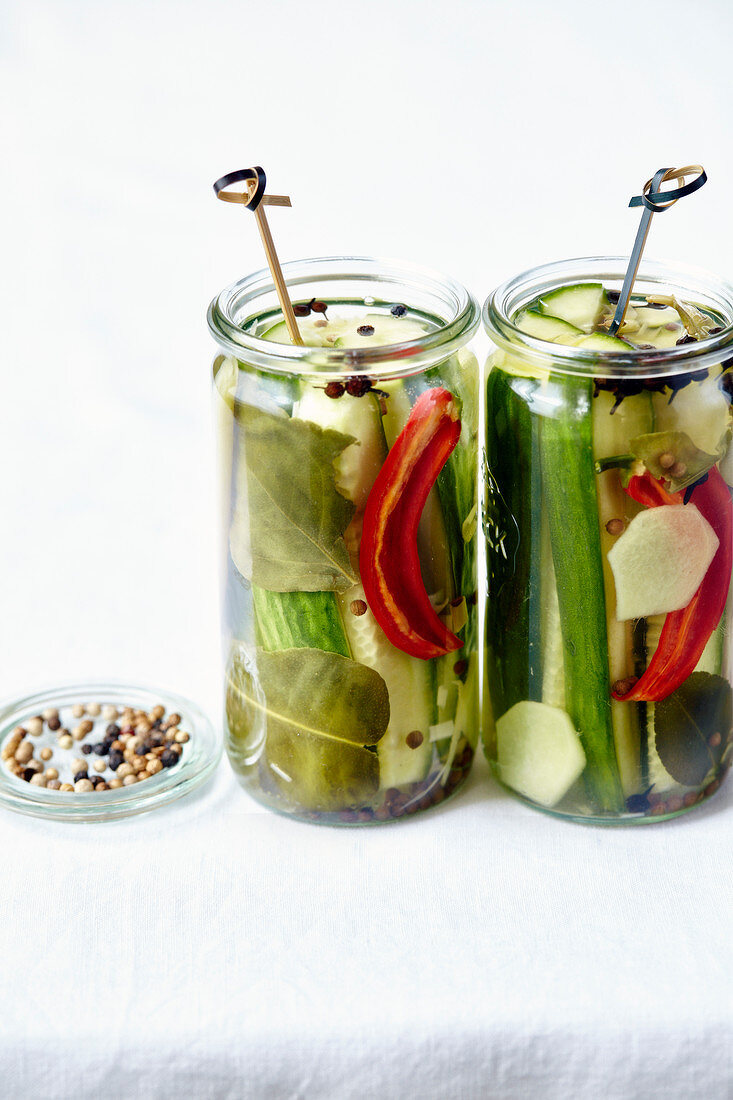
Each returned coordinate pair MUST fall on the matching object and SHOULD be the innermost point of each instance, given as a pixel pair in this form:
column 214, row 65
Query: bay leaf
column 685, row 723
column 289, row 518
column 311, row 716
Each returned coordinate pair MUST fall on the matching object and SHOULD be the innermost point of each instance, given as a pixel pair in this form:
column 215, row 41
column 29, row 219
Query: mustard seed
column 615, row 526
column 99, row 766
column 124, row 770
column 181, row 737
column 102, row 786
column 66, row 787
column 174, row 719
column 129, row 780
column 109, row 713
column 114, row 784
column 94, row 710
column 414, row 739
column 358, row 607
column 78, row 733
column 38, row 780
column 78, row 710
column 157, row 712
column 65, row 741
column 34, row 726
column 83, row 786
column 51, row 773
column 53, row 785
column 154, row 766
column 78, row 765
column 46, row 754
column 49, row 713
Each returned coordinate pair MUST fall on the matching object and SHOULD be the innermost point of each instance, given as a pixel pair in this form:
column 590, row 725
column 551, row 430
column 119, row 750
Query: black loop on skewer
column 244, row 175
column 657, row 201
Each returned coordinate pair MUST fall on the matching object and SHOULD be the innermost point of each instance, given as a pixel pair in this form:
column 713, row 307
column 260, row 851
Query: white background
column 478, row 138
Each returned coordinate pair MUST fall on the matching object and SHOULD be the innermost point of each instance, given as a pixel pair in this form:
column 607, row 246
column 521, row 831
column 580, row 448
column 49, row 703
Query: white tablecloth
column 214, row 951
column 210, row 950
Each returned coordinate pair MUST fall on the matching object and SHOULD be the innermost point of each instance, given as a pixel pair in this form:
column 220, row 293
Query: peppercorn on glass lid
column 98, row 751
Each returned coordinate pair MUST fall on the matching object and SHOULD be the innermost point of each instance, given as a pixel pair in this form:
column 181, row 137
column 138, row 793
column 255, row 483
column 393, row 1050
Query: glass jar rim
column 507, row 299
column 413, row 355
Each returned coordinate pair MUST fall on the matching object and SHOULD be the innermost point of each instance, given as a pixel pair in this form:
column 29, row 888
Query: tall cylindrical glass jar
column 608, row 525
column 348, row 471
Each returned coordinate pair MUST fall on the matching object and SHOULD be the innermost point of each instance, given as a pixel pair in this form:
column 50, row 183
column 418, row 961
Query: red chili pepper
column 686, row 632
column 388, row 558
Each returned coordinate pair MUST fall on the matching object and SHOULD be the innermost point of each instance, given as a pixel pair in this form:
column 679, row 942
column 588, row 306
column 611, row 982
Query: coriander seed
column 24, row 752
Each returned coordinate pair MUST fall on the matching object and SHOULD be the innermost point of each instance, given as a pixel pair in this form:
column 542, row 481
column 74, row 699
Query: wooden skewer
column 254, row 199
column 277, row 274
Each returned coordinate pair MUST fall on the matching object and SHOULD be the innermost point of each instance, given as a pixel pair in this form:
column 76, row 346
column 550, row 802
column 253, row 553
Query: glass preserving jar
column 608, row 527
column 349, row 482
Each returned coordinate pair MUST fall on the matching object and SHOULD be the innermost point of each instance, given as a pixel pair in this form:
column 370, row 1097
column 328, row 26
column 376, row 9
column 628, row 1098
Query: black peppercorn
column 169, row 758
column 112, row 730
column 398, row 311
column 115, row 759
column 358, row 385
column 83, row 774
column 86, row 749
column 334, row 389
column 366, row 330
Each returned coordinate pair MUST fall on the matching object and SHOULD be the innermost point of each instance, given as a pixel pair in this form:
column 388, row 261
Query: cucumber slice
column 601, row 341
column 342, row 332
column 539, row 753
column 544, row 327
column 551, row 647
column 299, row 620
column 611, row 434
column 358, row 465
column 411, row 688
column 581, row 305
column 699, row 409
column 410, row 682
column 568, row 471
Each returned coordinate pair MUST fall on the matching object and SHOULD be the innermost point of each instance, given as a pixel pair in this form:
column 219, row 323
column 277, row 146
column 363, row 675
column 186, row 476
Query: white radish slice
column 660, row 560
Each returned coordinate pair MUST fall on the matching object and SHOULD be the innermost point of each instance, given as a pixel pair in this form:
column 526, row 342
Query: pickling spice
column 131, row 745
